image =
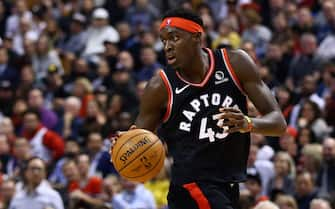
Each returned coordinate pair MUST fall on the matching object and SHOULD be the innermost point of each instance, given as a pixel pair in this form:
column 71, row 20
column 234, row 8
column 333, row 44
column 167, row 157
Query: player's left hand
column 234, row 119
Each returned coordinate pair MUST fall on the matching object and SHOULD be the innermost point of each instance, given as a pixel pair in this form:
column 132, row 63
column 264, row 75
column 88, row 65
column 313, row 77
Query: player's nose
column 168, row 46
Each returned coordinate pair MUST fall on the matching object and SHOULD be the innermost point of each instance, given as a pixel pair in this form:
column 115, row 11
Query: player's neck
column 197, row 70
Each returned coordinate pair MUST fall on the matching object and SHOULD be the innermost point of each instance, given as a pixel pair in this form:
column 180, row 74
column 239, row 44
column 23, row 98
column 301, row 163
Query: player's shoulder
column 156, row 89
column 237, row 55
column 242, row 63
column 156, row 83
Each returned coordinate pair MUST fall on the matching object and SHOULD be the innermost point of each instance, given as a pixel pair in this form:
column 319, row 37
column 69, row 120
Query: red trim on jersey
column 170, row 95
column 231, row 70
column 197, row 195
column 208, row 75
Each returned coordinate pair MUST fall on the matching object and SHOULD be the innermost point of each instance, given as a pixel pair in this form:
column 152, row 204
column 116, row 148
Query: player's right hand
column 114, row 138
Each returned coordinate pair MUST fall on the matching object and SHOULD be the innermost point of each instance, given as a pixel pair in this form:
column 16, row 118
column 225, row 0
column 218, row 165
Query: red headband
column 181, row 23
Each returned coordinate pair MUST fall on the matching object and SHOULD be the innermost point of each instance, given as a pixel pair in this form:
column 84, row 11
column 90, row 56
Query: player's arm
column 153, row 103
column 271, row 122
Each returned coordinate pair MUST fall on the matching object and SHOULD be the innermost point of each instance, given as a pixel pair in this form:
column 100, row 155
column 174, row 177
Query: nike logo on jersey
column 219, row 77
column 179, row 90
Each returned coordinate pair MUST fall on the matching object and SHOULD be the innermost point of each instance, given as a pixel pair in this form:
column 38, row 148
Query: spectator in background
column 325, row 19
column 265, row 168
column 127, row 39
column 254, row 185
column 141, row 15
column 307, row 92
column 284, row 98
column 311, row 159
column 83, row 189
column 6, row 97
column 27, row 81
column 3, row 18
column 304, row 23
column 101, row 95
column 325, row 179
column 258, row 34
column 110, row 54
column 114, row 108
column 20, row 154
column 70, row 123
column 305, row 136
column 277, row 61
column 103, row 75
column 53, row 86
column 57, row 177
column 320, row 204
column 266, row 205
column 305, row 190
column 13, row 22
column 249, row 48
column 19, row 107
column 7, row 129
column 99, row 157
column 286, row 202
column 94, row 120
column 36, row 101
column 310, row 117
column 330, row 100
column 98, row 32
column 111, row 187
column 74, row 43
column 326, row 31
column 35, row 183
column 159, row 186
column 4, row 152
column 328, row 78
column 7, row 192
column 26, row 31
column 133, row 196
column 82, row 88
column 307, row 62
column 287, row 142
column 283, row 180
column 45, row 56
column 150, row 64
column 227, row 35
column 7, row 72
column 45, row 143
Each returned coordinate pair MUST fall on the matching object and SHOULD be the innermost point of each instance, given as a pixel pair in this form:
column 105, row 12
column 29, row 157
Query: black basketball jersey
column 201, row 150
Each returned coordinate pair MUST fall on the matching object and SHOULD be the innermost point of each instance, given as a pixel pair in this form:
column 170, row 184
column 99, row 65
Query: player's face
column 178, row 46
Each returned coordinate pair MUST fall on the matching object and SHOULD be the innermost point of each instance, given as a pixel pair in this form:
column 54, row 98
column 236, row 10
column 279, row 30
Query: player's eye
column 176, row 38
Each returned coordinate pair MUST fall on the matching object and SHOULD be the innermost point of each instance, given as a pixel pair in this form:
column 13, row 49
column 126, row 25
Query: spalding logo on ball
column 138, row 155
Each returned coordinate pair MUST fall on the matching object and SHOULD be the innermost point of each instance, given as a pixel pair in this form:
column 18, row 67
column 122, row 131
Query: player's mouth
column 171, row 59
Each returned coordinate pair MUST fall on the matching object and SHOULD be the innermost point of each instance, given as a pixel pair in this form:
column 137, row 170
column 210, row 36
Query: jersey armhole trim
column 231, row 71
column 170, row 95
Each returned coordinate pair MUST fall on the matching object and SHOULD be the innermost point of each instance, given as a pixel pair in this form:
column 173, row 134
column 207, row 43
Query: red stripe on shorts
column 197, row 195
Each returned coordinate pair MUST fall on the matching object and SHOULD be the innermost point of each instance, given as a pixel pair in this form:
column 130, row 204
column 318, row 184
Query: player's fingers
column 228, row 123
column 233, row 129
column 133, row 127
column 231, row 115
column 119, row 133
column 233, row 123
column 229, row 109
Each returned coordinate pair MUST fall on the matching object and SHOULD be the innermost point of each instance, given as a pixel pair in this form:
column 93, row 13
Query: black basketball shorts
column 204, row 195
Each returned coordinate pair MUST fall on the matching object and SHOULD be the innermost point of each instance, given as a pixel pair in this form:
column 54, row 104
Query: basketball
column 138, row 155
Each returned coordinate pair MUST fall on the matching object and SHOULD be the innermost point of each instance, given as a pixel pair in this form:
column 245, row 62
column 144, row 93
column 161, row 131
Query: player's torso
column 190, row 130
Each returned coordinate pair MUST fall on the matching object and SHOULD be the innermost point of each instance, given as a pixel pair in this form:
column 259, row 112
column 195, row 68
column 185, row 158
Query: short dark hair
column 184, row 13
column 33, row 111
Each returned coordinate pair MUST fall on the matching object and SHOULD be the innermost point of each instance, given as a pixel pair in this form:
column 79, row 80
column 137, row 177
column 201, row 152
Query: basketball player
column 199, row 106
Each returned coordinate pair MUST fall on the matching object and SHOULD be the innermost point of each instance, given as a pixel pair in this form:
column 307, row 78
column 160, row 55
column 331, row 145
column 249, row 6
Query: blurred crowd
column 72, row 73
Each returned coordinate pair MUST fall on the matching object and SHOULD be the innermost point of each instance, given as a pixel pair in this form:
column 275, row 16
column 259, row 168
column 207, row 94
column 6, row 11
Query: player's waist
column 185, row 174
